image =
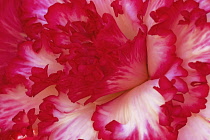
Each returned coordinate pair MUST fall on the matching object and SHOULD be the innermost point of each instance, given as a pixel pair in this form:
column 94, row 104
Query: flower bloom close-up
column 104, row 69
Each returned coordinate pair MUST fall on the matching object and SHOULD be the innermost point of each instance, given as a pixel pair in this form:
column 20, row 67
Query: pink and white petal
column 61, row 14
column 205, row 113
column 73, row 119
column 193, row 44
column 133, row 115
column 28, row 58
column 14, row 100
column 11, row 32
column 128, row 21
column 153, row 5
column 197, row 128
column 36, row 9
column 191, row 87
column 189, row 25
column 204, row 4
column 199, row 124
column 160, row 51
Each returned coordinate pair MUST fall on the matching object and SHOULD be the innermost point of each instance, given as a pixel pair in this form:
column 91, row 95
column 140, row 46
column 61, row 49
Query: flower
column 105, row 69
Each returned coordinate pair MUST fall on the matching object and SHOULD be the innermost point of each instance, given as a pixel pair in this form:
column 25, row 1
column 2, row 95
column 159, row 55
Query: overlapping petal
column 100, row 57
column 108, row 69
column 71, row 120
column 13, row 101
column 133, row 115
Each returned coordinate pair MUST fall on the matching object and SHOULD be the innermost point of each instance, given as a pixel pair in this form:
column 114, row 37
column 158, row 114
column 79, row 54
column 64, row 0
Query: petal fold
column 62, row 119
column 133, row 115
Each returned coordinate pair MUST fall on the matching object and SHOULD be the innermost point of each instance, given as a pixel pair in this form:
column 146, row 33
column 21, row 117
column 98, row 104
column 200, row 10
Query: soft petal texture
column 111, row 73
column 14, row 100
column 61, row 14
column 11, row 32
column 204, row 4
column 128, row 22
column 192, row 36
column 134, row 12
column 73, row 119
column 133, row 115
column 188, row 23
column 36, row 9
column 199, row 124
column 184, row 92
column 197, row 128
column 28, row 58
column 160, row 51
column 132, row 69
column 206, row 112
column 152, row 6
column 100, row 58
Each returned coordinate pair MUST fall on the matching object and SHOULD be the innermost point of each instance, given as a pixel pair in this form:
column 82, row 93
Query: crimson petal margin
column 160, row 51
column 100, row 57
column 61, row 119
column 199, row 124
column 36, row 9
column 14, row 99
column 133, row 115
column 117, row 65
column 27, row 59
column 189, row 24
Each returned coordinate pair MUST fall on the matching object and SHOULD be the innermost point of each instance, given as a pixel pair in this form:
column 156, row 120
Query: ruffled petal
column 100, row 58
column 36, row 9
column 188, row 23
column 14, row 100
column 124, row 12
column 62, row 119
column 131, row 15
column 61, row 14
column 133, row 115
column 199, row 124
column 152, row 6
column 116, row 69
column 28, row 58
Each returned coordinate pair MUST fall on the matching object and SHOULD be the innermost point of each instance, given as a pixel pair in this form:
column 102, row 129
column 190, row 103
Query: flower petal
column 196, row 128
column 11, row 32
column 14, row 100
column 152, row 6
column 189, row 24
column 101, row 60
column 36, row 9
column 28, row 58
column 160, row 51
column 61, row 14
column 199, row 124
column 71, row 120
column 133, row 115
column 115, row 71
column 204, row 4
column 127, row 21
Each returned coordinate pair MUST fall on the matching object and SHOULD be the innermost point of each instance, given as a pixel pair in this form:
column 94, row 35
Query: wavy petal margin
column 133, row 115
column 62, row 119
column 14, row 100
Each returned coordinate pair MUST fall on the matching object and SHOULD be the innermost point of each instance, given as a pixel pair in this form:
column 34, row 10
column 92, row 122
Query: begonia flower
column 104, row 69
